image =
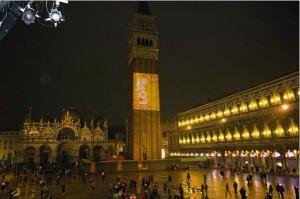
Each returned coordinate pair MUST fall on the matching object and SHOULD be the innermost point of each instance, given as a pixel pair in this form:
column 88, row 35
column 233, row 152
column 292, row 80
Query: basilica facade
column 63, row 140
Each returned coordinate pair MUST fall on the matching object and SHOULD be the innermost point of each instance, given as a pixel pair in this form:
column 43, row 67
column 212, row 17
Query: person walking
column 227, row 191
column 296, row 189
column 281, row 191
column 243, row 193
column 271, row 189
column 102, row 175
column 235, row 187
column 63, row 188
column 277, row 189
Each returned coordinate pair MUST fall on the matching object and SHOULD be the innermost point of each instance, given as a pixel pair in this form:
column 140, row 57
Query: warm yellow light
column 279, row 130
column 223, row 120
column 213, row 116
column 187, row 122
column 227, row 112
column 289, row 95
column 215, row 137
column 183, row 140
column 208, row 138
column 196, row 120
column 201, row 119
column 266, row 132
column 188, row 139
column 253, row 105
column 228, row 135
column 245, row 134
column 234, row 110
column 202, row 139
column 263, row 102
column 192, row 121
column 188, row 127
column 221, row 136
column 243, row 107
column 293, row 128
column 206, row 117
column 275, row 99
column 179, row 124
column 183, row 123
column 236, row 134
column 197, row 139
column 220, row 114
column 285, row 107
column 255, row 133
column 193, row 139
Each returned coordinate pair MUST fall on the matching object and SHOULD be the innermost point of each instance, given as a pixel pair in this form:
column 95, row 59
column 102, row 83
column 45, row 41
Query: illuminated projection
column 145, row 91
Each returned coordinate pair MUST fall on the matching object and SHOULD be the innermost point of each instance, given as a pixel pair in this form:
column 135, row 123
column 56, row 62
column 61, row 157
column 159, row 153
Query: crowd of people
column 147, row 188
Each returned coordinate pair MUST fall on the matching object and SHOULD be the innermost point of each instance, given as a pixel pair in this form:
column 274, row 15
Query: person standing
column 63, row 188
column 102, row 175
column 277, row 189
column 243, row 193
column 235, row 187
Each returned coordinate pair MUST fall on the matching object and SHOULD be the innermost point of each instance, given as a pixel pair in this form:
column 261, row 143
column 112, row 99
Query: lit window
column 202, row 138
column 206, row 117
column 180, row 140
column 245, row 134
column 201, row 119
column 234, row 110
column 183, row 123
column 221, row 136
column 228, row 135
column 187, row 122
column 236, row 134
column 275, row 99
column 188, row 139
column 279, row 130
column 226, row 112
column 293, row 128
column 220, row 114
column 193, row 139
column 183, row 140
column 196, row 120
column 255, row 133
column 263, row 102
column 208, row 138
column 243, row 107
column 213, row 116
column 266, row 132
column 289, row 95
column 214, row 137
column 197, row 139
column 253, row 105
column 192, row 121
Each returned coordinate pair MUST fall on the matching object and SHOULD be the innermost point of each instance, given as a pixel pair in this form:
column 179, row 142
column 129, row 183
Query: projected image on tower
column 145, row 92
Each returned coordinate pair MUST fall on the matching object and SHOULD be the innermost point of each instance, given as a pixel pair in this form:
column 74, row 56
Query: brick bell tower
column 144, row 137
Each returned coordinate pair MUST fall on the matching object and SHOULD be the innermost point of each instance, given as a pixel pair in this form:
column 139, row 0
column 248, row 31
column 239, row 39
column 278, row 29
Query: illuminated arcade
column 256, row 128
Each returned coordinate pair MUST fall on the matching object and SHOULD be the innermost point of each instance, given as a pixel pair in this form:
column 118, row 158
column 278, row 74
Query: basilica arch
column 45, row 154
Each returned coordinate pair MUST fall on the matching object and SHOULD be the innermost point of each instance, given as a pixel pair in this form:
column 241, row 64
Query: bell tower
column 144, row 137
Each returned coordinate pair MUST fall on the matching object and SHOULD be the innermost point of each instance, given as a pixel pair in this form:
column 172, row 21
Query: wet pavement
column 76, row 189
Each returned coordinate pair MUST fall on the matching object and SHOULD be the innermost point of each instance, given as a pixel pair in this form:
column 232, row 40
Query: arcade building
column 64, row 140
column 256, row 128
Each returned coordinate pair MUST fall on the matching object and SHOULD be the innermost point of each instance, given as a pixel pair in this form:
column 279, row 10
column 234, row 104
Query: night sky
column 207, row 50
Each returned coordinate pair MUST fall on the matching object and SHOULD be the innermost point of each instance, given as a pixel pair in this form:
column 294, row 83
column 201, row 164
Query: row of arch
column 240, row 153
column 243, row 107
column 237, row 133
column 144, row 42
column 64, row 153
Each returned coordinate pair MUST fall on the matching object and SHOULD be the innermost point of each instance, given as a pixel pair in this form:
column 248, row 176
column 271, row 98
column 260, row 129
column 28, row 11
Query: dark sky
column 207, row 50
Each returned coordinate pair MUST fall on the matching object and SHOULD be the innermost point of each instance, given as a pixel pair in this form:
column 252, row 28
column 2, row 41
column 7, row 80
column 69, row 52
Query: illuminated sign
column 145, row 91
